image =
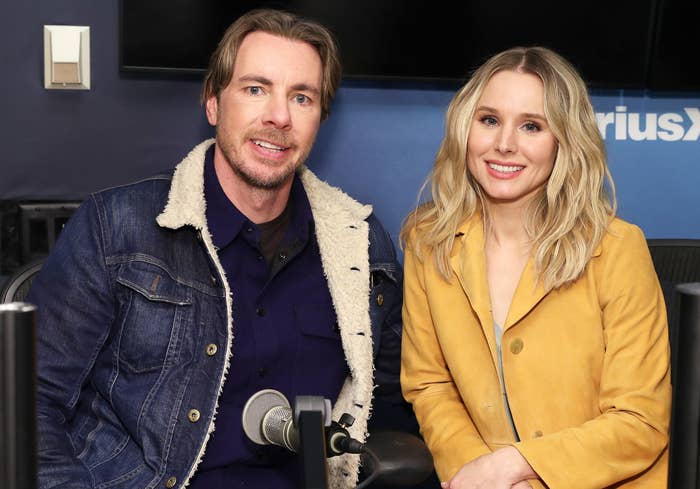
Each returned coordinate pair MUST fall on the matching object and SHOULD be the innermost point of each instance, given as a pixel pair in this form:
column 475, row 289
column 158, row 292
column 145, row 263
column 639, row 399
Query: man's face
column 267, row 117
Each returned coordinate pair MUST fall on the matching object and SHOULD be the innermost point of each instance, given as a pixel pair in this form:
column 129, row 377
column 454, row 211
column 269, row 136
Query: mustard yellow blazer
column 586, row 366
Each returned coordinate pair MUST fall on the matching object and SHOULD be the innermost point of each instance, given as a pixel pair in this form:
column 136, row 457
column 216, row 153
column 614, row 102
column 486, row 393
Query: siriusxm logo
column 669, row 126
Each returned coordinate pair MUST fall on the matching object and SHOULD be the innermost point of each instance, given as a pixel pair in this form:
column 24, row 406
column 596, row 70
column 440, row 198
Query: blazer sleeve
column 631, row 432
column 427, row 383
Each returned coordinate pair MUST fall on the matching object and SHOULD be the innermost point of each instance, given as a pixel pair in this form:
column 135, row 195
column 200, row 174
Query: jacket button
column 213, row 280
column 380, row 299
column 211, row 349
column 170, row 483
column 193, row 415
column 538, row 434
column 516, row 346
column 199, row 236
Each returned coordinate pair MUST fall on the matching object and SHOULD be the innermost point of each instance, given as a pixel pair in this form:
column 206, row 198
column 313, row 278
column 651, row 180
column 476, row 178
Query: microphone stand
column 310, row 415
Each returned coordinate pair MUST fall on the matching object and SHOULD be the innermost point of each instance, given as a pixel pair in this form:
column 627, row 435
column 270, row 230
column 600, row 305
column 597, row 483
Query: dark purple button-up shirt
column 285, row 336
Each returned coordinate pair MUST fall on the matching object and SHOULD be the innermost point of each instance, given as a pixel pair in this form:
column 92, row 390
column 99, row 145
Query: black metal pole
column 18, row 396
column 685, row 415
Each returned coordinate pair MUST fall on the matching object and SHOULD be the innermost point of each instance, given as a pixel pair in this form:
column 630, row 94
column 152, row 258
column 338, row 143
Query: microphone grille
column 276, row 425
column 255, row 410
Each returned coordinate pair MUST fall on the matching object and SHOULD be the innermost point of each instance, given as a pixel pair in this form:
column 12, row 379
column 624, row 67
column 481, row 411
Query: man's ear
column 212, row 110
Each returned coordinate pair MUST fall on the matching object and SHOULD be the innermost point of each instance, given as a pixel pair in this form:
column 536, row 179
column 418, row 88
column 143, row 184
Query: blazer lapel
column 469, row 266
column 528, row 294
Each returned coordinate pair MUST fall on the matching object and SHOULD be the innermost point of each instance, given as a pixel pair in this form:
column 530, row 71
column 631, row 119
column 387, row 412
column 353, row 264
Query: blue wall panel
column 378, row 144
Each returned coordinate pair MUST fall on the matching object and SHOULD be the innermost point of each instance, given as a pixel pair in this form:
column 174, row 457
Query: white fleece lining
column 342, row 235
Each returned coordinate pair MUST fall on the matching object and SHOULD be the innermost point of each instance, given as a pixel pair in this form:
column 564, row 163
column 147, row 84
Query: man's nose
column 277, row 112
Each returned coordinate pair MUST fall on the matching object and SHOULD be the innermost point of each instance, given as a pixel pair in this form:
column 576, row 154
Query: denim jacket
column 134, row 327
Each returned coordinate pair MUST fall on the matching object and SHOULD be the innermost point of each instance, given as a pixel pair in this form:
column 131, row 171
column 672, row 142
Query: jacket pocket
column 155, row 309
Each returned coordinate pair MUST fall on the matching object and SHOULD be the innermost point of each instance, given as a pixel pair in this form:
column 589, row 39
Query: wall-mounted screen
column 673, row 63
column 610, row 42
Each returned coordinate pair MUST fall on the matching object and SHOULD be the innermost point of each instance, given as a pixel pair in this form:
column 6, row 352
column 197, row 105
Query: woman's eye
column 489, row 120
column 531, row 127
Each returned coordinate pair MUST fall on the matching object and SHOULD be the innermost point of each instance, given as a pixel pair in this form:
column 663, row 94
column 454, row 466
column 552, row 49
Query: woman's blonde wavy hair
column 569, row 216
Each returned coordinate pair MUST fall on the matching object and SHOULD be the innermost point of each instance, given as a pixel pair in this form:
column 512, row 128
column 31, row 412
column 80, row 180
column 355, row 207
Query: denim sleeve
column 74, row 315
column 385, row 310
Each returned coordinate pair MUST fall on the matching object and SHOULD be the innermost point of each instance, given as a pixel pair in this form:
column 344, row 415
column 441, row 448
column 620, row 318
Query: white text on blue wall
column 667, row 126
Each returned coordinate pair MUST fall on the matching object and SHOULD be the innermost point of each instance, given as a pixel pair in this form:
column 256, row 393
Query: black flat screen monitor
column 610, row 42
column 674, row 64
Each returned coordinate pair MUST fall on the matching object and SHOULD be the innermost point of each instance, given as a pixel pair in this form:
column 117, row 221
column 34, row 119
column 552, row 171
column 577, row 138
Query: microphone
column 268, row 420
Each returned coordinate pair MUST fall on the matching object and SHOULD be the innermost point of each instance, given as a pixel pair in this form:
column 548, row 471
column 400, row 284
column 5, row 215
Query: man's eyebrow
column 256, row 79
column 299, row 87
column 304, row 87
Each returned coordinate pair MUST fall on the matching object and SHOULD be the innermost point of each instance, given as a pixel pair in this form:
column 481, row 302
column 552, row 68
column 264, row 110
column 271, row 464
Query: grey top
column 498, row 330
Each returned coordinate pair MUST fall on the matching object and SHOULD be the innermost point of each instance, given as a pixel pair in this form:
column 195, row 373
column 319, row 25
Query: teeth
column 266, row 145
column 506, row 168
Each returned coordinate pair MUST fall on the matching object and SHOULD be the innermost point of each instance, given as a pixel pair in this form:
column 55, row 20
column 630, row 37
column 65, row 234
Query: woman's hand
column 503, row 469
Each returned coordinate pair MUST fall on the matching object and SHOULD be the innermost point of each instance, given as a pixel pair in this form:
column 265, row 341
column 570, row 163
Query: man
column 167, row 303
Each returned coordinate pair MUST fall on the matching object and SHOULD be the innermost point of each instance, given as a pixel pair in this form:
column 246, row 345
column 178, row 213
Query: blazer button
column 193, row 415
column 380, row 299
column 211, row 349
column 516, row 346
column 170, row 483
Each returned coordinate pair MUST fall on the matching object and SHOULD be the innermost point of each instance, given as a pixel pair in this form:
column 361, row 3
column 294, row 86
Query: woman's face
column 511, row 150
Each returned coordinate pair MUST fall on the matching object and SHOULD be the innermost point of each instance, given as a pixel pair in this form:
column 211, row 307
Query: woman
column 535, row 347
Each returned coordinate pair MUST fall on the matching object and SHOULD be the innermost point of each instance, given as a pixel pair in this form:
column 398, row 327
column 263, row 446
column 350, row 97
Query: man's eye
column 255, row 90
column 302, row 99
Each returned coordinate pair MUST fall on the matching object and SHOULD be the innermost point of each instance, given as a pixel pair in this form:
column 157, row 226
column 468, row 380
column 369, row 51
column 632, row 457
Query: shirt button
column 249, row 229
column 193, row 415
column 211, row 349
column 262, row 372
column 380, row 299
column 170, row 483
column 260, row 311
column 260, row 257
column 516, row 346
